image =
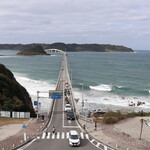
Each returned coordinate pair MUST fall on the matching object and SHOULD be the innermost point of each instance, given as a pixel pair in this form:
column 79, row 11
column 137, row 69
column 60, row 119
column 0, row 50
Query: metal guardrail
column 85, row 118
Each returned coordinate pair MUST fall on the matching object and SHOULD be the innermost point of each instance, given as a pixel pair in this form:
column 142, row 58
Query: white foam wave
column 110, row 101
column 102, row 87
column 119, row 87
column 32, row 86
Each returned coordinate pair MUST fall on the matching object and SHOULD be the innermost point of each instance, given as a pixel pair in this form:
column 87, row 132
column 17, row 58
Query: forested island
column 34, row 50
column 69, row 47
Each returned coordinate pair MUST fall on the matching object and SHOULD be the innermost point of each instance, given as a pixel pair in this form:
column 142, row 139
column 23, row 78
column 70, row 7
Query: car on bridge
column 74, row 138
column 68, row 107
column 70, row 115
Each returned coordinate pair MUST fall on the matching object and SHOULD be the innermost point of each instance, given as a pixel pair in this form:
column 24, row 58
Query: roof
column 73, row 132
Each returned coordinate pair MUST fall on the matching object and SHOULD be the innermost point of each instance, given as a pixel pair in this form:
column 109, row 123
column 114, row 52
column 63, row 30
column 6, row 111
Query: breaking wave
column 102, row 87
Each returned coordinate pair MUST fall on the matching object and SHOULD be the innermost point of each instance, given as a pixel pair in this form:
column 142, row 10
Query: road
column 59, row 140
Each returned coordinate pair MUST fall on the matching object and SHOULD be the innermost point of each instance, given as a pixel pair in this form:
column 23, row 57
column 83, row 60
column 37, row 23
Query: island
column 13, row 96
column 34, row 50
column 67, row 47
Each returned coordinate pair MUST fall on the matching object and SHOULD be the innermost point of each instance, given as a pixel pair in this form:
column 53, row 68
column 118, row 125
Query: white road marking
column 98, row 144
column 105, row 147
column 38, row 137
column 92, row 140
column 71, row 127
column 87, row 136
column 69, row 121
column 62, row 135
column 53, row 135
column 82, row 136
column 67, row 135
column 43, row 136
column 25, row 146
column 52, row 114
column 58, row 135
column 48, row 136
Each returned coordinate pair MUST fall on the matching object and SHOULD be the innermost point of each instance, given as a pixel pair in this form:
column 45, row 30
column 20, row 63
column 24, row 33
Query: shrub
column 113, row 117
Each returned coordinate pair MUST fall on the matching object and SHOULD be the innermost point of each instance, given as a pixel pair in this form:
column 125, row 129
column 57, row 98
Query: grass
column 114, row 117
column 6, row 121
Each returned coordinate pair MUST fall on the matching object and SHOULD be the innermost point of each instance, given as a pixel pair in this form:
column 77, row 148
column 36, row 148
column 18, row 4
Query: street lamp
column 85, row 112
column 147, row 122
column 37, row 105
column 71, row 75
column 82, row 97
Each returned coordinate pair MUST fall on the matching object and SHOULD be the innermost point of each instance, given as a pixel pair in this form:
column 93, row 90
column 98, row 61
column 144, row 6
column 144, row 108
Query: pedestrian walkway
column 65, row 135
column 60, row 135
column 33, row 129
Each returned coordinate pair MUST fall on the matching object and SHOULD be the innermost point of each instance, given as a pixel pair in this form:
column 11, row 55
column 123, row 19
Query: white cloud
column 81, row 21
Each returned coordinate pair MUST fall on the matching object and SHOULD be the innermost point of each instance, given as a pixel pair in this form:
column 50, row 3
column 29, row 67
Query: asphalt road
column 59, row 140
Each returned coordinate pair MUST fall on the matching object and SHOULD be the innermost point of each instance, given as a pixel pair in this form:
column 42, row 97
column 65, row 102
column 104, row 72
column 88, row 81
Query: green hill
column 13, row 96
column 69, row 47
column 34, row 50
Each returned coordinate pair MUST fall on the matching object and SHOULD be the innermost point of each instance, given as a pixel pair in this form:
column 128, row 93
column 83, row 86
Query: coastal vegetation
column 34, row 50
column 69, row 47
column 13, row 96
column 112, row 117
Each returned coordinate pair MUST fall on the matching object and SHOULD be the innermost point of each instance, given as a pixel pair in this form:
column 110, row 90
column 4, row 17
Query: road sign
column 76, row 100
column 56, row 96
column 24, row 126
column 35, row 103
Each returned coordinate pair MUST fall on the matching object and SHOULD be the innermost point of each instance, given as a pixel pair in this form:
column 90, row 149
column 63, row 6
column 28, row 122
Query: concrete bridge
column 58, row 118
column 54, row 51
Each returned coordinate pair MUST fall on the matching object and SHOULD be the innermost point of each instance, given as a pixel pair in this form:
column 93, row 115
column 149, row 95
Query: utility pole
column 37, row 105
column 142, row 121
column 82, row 97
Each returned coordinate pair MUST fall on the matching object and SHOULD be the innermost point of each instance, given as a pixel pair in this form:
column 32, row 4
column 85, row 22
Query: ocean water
column 111, row 81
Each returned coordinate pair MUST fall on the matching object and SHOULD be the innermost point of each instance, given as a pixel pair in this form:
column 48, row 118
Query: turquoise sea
column 111, row 80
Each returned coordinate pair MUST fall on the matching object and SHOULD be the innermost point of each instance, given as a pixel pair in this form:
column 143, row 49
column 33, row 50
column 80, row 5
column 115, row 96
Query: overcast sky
column 119, row 22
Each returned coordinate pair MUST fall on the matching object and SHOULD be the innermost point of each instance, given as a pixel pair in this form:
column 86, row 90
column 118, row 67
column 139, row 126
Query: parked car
column 70, row 115
column 74, row 139
column 67, row 107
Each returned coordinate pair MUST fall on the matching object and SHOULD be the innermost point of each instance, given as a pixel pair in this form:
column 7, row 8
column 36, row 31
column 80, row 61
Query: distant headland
column 69, row 47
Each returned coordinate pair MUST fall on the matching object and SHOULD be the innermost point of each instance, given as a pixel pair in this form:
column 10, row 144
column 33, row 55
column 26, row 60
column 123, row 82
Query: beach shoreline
column 123, row 135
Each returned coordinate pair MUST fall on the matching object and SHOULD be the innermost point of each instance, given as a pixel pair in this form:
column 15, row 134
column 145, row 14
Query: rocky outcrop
column 13, row 96
column 34, row 50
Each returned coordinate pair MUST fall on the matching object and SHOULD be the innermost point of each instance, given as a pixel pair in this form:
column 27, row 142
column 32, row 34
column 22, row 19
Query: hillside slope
column 70, row 47
column 34, row 50
column 13, row 96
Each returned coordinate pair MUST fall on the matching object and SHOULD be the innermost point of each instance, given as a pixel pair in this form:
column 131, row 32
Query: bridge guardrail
column 86, row 119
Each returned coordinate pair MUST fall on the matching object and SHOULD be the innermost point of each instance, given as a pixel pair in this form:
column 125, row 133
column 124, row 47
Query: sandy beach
column 9, row 130
column 123, row 135
column 12, row 135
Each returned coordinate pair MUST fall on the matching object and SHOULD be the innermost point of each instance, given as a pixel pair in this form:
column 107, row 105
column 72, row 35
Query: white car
column 74, row 139
column 67, row 107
